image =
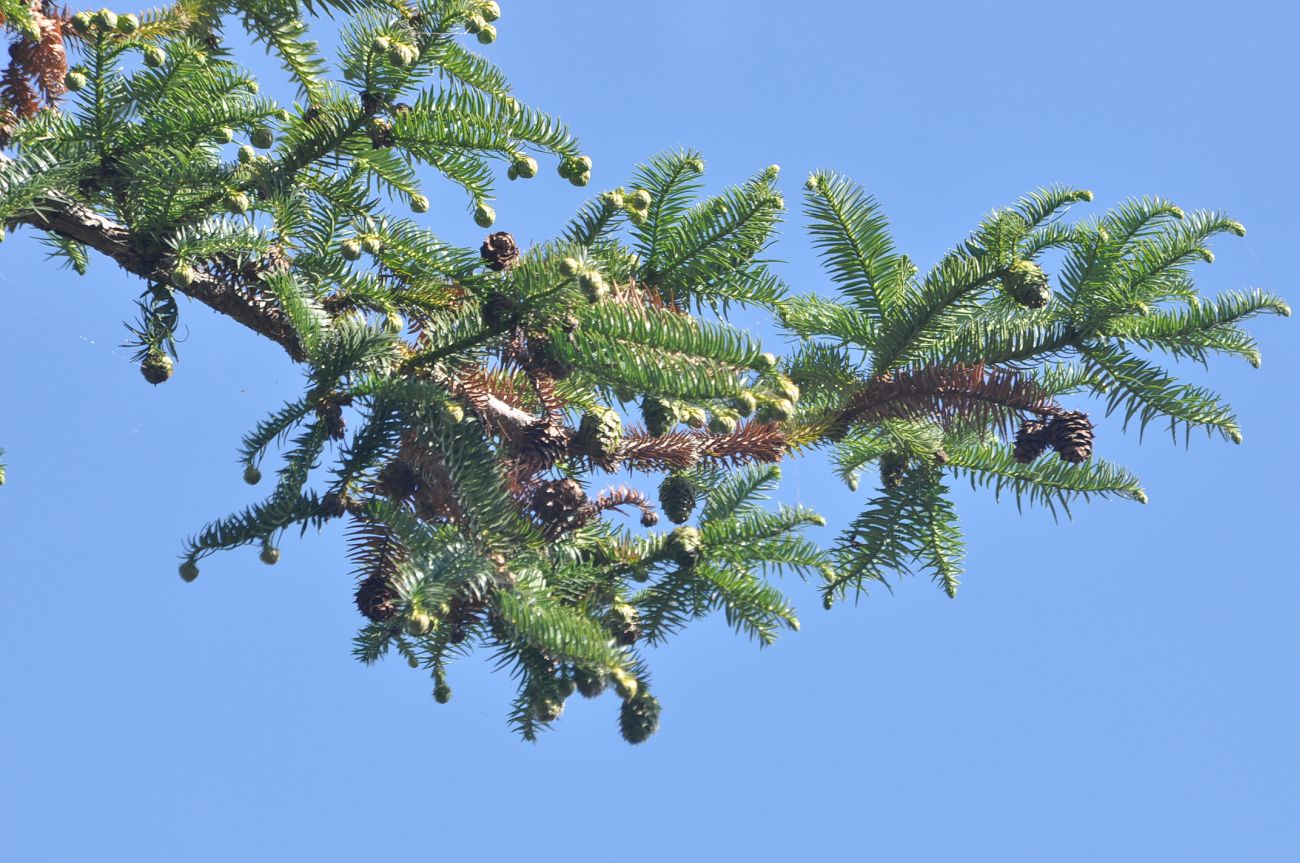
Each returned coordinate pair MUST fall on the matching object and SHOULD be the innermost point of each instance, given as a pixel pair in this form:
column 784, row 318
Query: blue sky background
column 1121, row 687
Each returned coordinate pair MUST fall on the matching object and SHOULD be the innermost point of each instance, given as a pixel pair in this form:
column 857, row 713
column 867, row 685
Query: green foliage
column 443, row 393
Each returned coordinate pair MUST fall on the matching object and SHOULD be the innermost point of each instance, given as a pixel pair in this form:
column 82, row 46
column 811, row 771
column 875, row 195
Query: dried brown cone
column 1032, row 440
column 544, row 443
column 499, row 312
column 331, row 413
column 499, row 251
column 381, row 135
column 396, row 480
column 376, row 599
column 560, row 505
column 1071, row 436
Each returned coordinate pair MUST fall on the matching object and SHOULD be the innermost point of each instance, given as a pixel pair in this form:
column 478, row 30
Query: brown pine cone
column 499, row 251
column 376, row 598
column 1071, row 436
column 1031, row 440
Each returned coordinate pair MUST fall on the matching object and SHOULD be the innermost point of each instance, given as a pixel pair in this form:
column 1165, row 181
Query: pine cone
column 376, row 598
column 1071, row 436
column 590, row 682
column 396, row 480
column 156, row 367
column 892, row 468
column 1031, row 440
column 659, row 417
column 677, row 496
column 540, row 358
column 560, row 505
column 638, row 718
column 545, row 442
column 333, row 504
column 599, row 434
column 683, row 546
column 499, row 251
column 499, row 312
column 381, row 134
column 330, row 410
column 625, row 623
column 1027, row 284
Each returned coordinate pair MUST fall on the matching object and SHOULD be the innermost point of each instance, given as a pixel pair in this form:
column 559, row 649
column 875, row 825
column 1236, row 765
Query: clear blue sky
column 1121, row 687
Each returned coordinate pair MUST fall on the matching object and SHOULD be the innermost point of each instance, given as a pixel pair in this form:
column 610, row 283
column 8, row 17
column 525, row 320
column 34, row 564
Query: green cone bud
column 74, row 81
column 270, row 555
column 106, row 19
column 183, row 276
column 154, row 56
column 246, row 155
column 486, row 35
column 512, row 173
column 189, row 571
column 419, row 204
column 418, row 624
column 581, row 179
column 350, row 249
column 381, row 44
column 491, row 11
column 683, row 546
column 252, row 475
column 262, row 138
column 237, row 203
column 765, row 363
column 745, row 404
column 224, row 135
column 475, row 23
column 526, row 167
column 82, row 22
column 722, row 424
column 128, row 24
column 640, row 200
column 593, row 286
column 570, row 267
column 484, row 216
column 442, row 693
column 1027, row 284
column 372, row 245
column 156, row 367
column 405, row 55
column 786, row 387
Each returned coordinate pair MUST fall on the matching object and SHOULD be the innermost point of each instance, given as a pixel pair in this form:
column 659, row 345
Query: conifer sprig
column 461, row 407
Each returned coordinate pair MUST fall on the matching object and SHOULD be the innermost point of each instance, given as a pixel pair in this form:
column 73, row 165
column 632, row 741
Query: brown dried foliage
column 959, row 394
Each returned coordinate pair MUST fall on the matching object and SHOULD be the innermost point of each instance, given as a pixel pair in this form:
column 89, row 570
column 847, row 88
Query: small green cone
column 350, row 250
column 270, row 555
column 590, row 682
column 1027, row 284
column 156, row 367
column 262, row 138
column 189, row 571
column 252, row 475
column 677, row 497
column 684, row 545
column 659, row 418
column 638, row 717
column 484, row 216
